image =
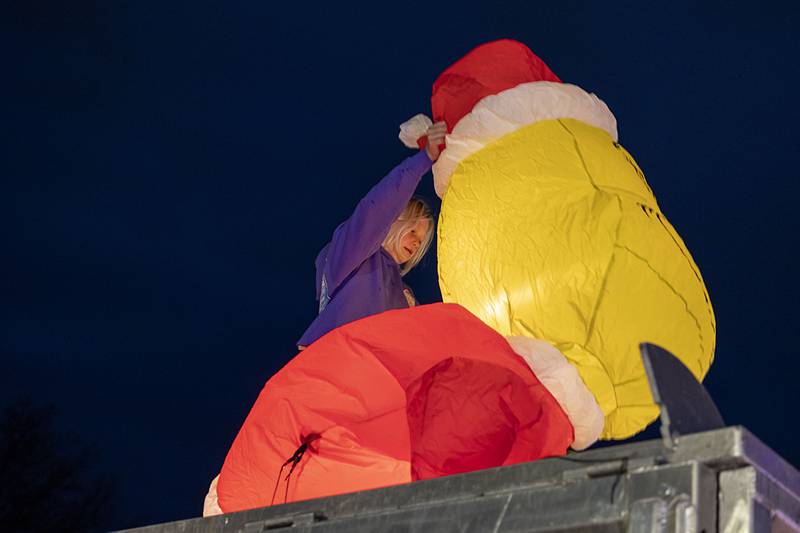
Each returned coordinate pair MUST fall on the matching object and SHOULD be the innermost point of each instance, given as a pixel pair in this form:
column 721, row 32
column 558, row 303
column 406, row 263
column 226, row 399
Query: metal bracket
column 283, row 522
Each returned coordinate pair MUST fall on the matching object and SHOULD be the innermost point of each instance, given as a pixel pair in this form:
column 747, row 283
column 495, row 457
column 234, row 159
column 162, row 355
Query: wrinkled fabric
column 549, row 230
column 498, row 115
column 552, row 232
column 356, row 277
column 565, row 384
column 210, row 504
column 413, row 131
column 404, row 395
column 487, row 69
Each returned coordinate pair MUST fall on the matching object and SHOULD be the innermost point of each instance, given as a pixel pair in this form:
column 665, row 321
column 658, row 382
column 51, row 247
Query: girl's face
column 409, row 243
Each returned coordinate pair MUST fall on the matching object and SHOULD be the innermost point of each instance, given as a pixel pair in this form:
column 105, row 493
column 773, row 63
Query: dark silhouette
column 47, row 478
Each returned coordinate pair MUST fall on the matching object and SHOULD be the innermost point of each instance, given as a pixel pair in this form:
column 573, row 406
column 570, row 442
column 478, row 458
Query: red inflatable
column 486, row 70
column 405, row 395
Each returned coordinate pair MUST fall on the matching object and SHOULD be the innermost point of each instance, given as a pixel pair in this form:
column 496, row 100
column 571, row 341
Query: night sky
column 171, row 169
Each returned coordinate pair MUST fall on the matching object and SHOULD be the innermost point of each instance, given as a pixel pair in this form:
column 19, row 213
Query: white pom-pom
column 414, row 128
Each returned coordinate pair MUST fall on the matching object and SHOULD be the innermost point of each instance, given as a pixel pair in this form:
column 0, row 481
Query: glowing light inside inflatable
column 548, row 229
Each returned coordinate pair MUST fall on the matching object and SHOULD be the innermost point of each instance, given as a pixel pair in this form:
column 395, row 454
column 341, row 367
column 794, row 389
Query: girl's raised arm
column 361, row 235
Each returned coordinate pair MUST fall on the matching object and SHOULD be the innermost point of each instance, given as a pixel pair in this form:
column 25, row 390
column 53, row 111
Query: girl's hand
column 436, row 134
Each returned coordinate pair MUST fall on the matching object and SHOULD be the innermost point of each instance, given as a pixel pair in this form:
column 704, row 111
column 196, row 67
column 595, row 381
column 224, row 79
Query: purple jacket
column 356, row 277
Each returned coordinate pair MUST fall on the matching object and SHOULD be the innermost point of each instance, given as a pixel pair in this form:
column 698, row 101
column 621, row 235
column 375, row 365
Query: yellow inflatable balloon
column 549, row 230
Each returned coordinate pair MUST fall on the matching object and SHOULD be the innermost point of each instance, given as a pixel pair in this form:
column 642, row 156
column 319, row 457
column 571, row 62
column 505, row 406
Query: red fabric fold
column 404, row 395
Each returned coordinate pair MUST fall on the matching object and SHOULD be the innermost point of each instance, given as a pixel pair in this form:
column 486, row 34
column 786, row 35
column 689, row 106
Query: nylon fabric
column 399, row 396
column 500, row 114
column 564, row 383
column 487, row 69
column 552, row 232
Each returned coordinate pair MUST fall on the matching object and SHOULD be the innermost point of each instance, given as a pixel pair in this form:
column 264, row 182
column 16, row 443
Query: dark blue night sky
column 172, row 168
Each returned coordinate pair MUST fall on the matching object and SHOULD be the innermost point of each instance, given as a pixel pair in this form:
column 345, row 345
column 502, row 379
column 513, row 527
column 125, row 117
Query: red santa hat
column 492, row 91
column 489, row 69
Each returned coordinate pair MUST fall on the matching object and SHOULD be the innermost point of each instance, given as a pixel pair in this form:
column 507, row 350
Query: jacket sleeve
column 361, row 235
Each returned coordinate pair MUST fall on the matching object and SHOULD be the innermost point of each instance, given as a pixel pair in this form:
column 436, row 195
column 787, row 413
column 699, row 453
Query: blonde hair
column 416, row 209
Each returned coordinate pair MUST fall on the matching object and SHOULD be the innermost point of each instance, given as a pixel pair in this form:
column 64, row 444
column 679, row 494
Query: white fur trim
column 414, row 128
column 211, row 505
column 500, row 114
column 565, row 384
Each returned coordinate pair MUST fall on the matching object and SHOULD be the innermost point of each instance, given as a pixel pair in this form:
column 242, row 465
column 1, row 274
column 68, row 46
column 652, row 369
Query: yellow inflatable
column 549, row 230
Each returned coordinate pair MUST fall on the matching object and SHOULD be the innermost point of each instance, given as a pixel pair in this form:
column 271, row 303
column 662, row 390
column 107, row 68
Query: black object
column 686, row 407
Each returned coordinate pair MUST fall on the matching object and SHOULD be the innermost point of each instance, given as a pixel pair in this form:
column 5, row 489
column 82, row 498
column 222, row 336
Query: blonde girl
column 359, row 272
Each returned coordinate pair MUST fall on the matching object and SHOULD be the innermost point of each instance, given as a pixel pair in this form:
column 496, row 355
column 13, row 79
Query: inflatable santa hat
column 494, row 90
